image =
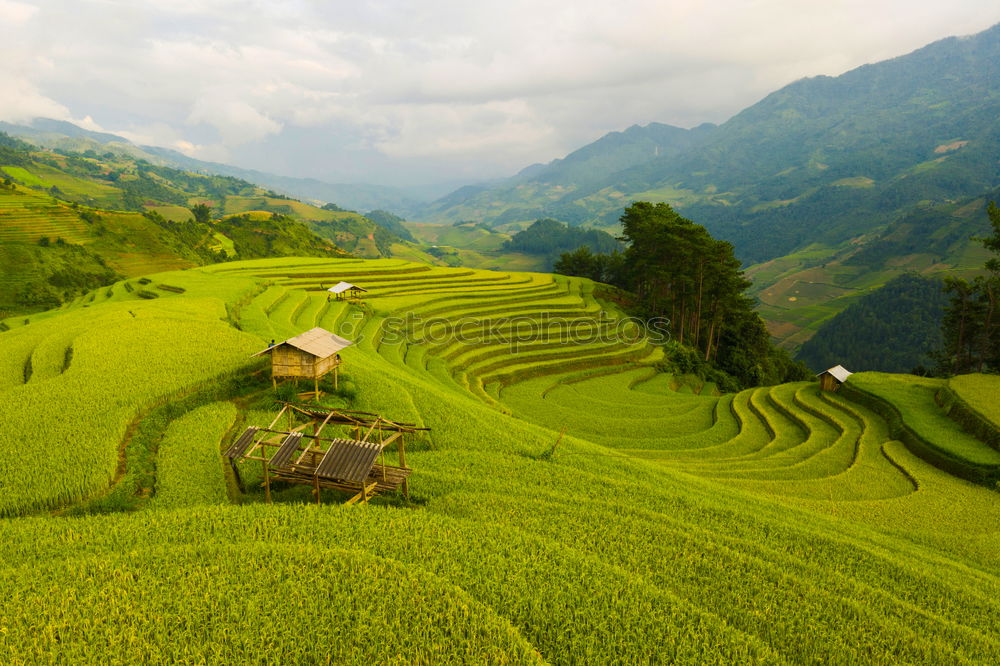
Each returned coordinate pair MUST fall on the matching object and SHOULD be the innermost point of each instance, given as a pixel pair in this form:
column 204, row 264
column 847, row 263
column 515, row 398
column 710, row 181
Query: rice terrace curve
column 568, row 502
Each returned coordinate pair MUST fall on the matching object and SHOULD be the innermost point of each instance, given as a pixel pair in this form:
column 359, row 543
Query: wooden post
column 316, row 488
column 267, row 480
column 283, row 410
column 315, row 388
column 402, row 463
column 382, row 452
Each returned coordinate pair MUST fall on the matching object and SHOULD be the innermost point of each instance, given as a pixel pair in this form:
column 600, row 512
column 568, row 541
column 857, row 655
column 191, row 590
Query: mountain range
column 827, row 188
column 918, row 128
column 62, row 135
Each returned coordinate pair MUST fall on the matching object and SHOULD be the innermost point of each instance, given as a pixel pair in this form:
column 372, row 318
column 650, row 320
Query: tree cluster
column 971, row 327
column 391, row 223
column 680, row 274
column 551, row 238
column 607, row 268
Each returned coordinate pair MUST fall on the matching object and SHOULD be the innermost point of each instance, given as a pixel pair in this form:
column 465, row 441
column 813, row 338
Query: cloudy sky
column 409, row 93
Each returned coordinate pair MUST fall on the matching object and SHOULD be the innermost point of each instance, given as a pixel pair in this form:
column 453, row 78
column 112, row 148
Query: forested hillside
column 827, row 187
column 895, row 328
column 66, row 137
column 70, row 222
column 550, row 238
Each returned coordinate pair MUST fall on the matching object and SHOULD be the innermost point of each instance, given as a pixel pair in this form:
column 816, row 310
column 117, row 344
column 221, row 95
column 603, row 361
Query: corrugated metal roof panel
column 348, row 460
column 289, row 447
column 240, row 446
column 839, row 372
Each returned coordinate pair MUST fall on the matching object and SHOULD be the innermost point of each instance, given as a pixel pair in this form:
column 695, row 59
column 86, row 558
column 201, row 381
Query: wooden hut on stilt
column 310, row 355
column 347, row 291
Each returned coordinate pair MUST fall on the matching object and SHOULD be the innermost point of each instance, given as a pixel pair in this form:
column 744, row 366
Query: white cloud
column 20, row 101
column 236, row 121
column 15, row 13
column 494, row 84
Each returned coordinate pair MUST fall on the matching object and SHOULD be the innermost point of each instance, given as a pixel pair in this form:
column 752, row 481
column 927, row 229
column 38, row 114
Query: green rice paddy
column 569, row 505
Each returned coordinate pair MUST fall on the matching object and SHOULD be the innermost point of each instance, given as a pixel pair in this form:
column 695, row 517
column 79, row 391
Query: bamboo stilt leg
column 267, row 481
column 402, row 463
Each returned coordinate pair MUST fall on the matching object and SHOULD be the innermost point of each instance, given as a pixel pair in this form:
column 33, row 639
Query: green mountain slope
column 551, row 190
column 64, row 136
column 879, row 170
column 70, row 222
column 800, row 292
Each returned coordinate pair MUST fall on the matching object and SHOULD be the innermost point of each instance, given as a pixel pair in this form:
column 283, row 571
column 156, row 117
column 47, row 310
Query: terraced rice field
column 571, row 504
column 26, row 217
column 530, row 345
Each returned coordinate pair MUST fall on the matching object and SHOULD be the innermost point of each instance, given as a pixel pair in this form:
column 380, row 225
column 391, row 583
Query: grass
column 189, row 470
column 980, row 393
column 113, row 367
column 775, row 525
column 913, row 397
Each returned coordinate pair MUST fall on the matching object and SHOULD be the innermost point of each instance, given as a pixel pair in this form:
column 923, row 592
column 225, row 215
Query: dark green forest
column 892, row 329
column 391, row 223
column 971, row 327
column 550, row 238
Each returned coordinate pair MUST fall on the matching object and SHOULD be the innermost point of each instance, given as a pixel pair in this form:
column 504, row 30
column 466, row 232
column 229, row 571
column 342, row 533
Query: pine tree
column 971, row 326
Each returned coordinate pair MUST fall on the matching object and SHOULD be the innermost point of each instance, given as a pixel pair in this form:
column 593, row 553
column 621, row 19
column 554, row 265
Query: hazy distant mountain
column 57, row 129
column 547, row 190
column 62, row 135
column 616, row 151
column 821, row 160
column 353, row 196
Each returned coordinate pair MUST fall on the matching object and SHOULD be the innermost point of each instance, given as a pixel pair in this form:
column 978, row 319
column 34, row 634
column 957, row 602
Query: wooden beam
column 364, row 494
column 368, row 434
column 267, row 482
column 402, row 463
column 283, row 410
column 322, row 425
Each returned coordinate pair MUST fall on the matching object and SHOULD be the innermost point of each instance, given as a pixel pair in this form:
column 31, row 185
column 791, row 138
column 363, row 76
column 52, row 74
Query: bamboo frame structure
column 354, row 465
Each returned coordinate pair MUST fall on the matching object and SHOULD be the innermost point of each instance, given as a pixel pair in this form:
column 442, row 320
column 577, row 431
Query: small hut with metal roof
column 346, row 290
column 830, row 380
column 310, row 355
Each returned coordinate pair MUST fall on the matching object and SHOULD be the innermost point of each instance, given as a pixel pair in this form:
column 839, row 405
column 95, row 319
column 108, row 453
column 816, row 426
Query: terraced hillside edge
column 571, row 504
